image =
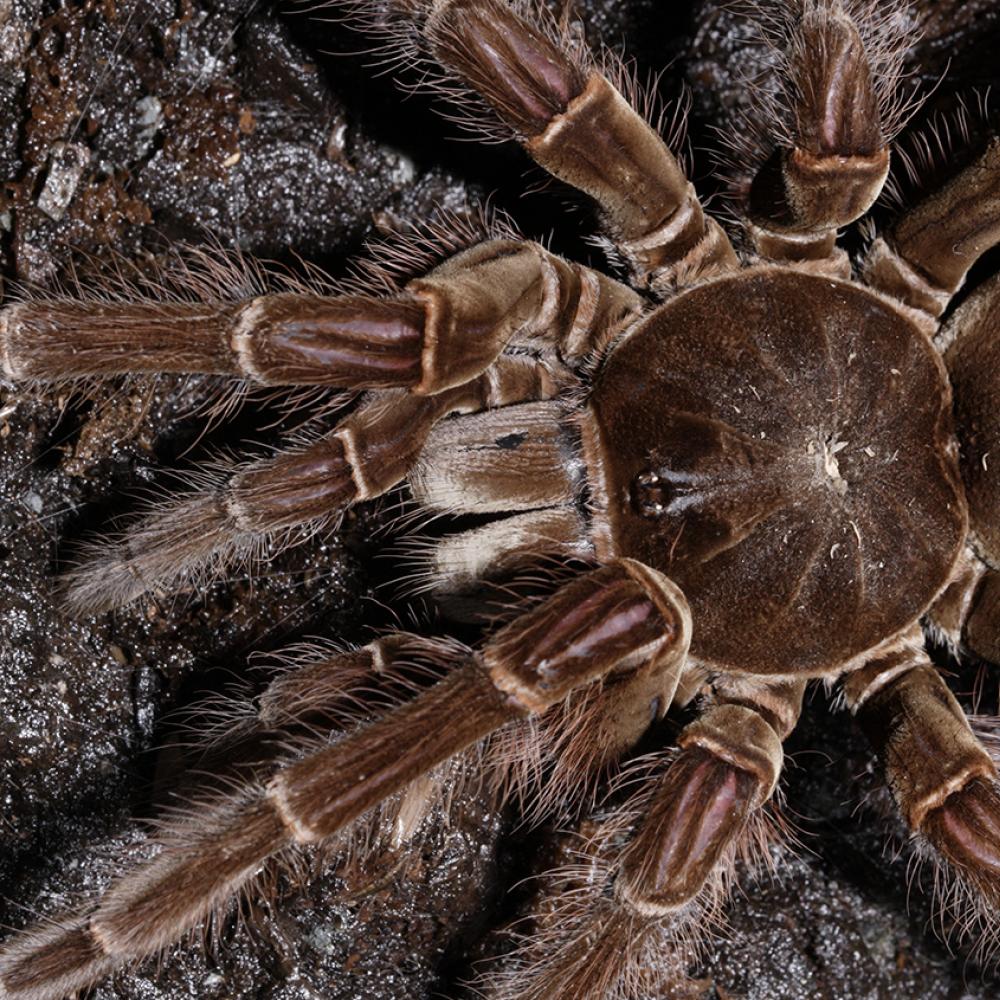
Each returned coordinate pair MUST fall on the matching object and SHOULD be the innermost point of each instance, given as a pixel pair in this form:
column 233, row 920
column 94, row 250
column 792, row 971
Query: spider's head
column 760, row 445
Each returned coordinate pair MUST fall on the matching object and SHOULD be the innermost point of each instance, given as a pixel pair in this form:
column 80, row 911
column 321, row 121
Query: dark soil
column 126, row 127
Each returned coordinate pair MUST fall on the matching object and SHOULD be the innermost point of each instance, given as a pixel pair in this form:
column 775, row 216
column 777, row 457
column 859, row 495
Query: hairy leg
column 941, row 777
column 923, row 260
column 306, row 488
column 550, row 93
column 621, row 920
column 440, row 331
column 611, row 619
column 968, row 612
column 831, row 124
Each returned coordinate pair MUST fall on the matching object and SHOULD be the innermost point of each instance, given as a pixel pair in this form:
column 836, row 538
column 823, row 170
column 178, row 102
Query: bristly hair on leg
column 187, row 541
column 582, row 941
column 195, row 537
column 668, row 118
column 965, row 894
column 797, row 43
column 389, row 262
column 443, row 46
column 207, row 858
column 929, row 156
column 556, row 764
column 420, row 37
column 190, row 541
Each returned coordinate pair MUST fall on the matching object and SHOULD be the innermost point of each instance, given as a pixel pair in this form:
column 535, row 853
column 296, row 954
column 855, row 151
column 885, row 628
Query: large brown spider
column 761, row 438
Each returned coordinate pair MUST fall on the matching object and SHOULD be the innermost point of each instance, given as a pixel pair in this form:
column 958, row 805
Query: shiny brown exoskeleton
column 760, row 458
column 775, row 461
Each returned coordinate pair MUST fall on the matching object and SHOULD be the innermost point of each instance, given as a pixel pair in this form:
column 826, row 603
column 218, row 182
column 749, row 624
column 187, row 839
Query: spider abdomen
column 759, row 444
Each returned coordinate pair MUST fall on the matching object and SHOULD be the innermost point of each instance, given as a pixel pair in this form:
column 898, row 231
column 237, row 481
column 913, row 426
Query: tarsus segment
column 633, row 613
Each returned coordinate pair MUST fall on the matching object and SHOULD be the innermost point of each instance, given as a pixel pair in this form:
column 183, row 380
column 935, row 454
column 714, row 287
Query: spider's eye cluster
column 651, row 494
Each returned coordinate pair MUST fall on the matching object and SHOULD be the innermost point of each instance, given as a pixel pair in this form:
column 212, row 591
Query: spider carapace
column 760, row 445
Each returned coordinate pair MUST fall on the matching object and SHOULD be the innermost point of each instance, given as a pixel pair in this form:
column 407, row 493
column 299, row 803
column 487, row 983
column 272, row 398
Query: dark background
column 253, row 125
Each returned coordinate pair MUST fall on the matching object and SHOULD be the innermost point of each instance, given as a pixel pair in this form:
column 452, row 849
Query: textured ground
column 126, row 126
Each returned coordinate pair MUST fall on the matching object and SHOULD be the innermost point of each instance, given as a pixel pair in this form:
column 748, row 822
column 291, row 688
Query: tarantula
column 746, row 461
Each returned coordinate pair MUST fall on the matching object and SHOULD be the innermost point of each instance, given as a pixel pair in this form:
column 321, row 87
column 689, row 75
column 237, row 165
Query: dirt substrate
column 126, row 127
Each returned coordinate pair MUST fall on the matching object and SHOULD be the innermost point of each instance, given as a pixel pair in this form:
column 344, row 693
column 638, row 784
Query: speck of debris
column 511, row 442
column 67, row 163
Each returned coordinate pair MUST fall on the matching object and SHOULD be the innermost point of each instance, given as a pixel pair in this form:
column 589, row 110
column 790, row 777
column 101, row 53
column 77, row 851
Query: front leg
column 441, row 330
column 550, row 93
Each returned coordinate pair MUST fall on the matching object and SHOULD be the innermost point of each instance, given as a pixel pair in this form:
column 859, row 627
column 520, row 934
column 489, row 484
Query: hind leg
column 615, row 618
column 942, row 779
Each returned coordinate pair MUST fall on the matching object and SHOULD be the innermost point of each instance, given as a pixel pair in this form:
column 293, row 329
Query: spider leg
column 365, row 455
column 833, row 159
column 338, row 691
column 313, row 693
column 728, row 767
column 623, row 925
column 549, row 92
column 442, row 330
column 609, row 619
column 968, row 612
column 923, row 260
column 518, row 459
column 476, row 304
column 942, row 779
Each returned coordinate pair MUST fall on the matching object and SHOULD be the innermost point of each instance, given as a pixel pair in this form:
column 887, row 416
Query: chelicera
column 755, row 452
